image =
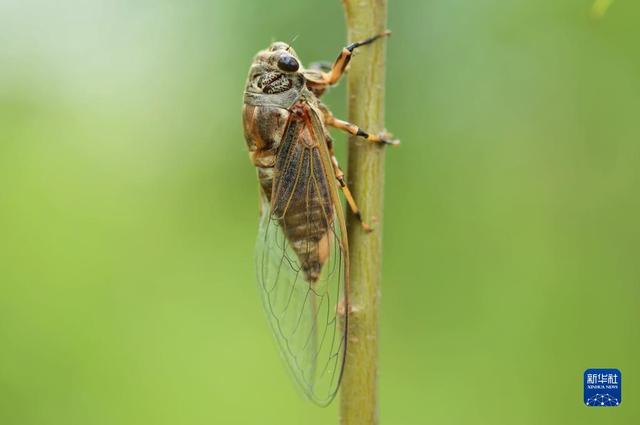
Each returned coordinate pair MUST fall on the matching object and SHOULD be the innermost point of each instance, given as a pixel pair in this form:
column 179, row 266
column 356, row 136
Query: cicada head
column 275, row 70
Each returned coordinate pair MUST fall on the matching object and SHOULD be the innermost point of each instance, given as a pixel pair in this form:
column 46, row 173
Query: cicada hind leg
column 339, row 174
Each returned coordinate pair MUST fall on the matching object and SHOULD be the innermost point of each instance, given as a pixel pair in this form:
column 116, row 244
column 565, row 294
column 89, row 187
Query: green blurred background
column 128, row 211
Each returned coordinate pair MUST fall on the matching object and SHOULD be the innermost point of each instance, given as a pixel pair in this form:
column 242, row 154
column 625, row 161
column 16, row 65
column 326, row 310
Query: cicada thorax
column 284, row 146
column 263, row 128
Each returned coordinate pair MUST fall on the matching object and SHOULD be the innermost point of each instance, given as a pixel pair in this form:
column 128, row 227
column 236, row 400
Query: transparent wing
column 301, row 229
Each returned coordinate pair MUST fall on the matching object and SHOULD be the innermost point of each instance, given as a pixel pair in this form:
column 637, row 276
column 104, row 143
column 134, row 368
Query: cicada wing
column 308, row 317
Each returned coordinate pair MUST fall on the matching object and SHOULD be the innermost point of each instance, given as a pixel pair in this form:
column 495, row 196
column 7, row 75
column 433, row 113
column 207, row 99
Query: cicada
column 302, row 261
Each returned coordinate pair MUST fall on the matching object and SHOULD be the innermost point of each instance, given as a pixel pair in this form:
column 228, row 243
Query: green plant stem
column 359, row 393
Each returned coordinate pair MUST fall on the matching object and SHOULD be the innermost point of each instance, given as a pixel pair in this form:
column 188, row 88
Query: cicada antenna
column 293, row 40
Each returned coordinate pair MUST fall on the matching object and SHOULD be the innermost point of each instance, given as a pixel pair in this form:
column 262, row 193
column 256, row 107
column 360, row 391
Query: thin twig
column 359, row 393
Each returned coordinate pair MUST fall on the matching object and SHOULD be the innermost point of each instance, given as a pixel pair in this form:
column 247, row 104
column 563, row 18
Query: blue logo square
column 602, row 387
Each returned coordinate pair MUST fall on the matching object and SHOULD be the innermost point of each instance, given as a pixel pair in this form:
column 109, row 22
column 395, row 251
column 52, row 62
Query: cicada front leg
column 344, row 58
column 318, row 79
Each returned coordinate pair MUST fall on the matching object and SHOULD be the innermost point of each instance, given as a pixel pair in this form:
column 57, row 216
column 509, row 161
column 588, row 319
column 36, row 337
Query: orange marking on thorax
column 301, row 111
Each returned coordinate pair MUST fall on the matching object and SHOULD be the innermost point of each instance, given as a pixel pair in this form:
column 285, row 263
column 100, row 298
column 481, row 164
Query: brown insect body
column 301, row 253
column 285, row 135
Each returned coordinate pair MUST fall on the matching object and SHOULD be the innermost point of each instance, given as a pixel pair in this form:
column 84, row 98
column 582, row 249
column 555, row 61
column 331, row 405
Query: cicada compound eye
column 288, row 63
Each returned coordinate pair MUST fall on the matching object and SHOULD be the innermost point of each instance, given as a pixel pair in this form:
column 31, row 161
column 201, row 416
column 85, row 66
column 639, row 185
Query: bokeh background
column 128, row 211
